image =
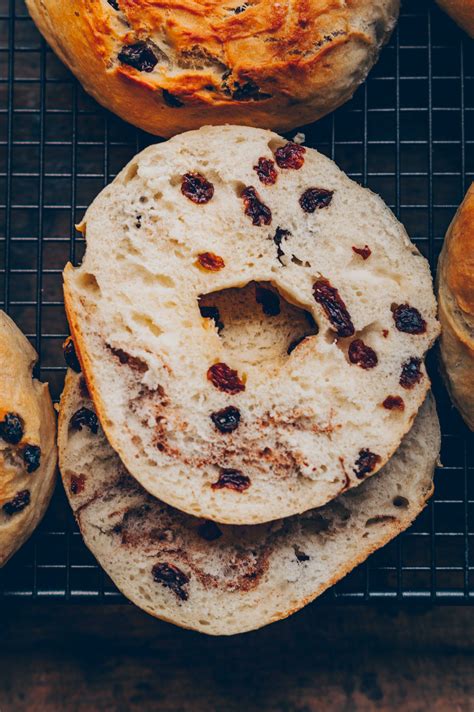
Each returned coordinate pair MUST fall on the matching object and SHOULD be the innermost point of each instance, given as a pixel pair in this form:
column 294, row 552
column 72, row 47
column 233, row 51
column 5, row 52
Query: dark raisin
column 365, row 463
column 408, row 319
column 291, row 155
column 143, row 56
column 385, row 333
column 171, row 99
column 226, row 420
column 114, row 4
column 225, row 378
column 364, row 252
column 362, row 355
column 32, row 457
column 269, row 300
column 11, row 428
column 246, row 91
column 77, row 483
column 411, row 373
column 85, row 417
column 197, row 188
column 294, row 344
column 232, row 479
column 138, row 222
column 315, row 199
column 18, row 503
column 259, row 213
column 278, row 238
column 211, row 262
column 328, row 297
column 266, row 171
column 394, row 403
column 209, row 531
column 171, row 577
column 212, row 313
column 70, row 355
column 239, row 9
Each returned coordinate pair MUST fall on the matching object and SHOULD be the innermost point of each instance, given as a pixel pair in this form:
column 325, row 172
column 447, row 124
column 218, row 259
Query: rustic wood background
column 82, row 658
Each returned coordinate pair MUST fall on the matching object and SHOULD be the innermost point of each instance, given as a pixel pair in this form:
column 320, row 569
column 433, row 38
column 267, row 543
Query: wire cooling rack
column 408, row 134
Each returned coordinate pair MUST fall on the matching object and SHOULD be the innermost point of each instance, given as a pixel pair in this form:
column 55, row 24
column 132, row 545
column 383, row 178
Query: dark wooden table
column 68, row 657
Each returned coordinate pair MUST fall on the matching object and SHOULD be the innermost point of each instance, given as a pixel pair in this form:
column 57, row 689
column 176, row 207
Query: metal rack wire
column 408, row 134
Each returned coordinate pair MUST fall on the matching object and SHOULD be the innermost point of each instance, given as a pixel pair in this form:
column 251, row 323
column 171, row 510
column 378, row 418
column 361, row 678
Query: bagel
column 221, row 579
column 455, row 279
column 27, row 441
column 462, row 12
column 168, row 66
column 219, row 209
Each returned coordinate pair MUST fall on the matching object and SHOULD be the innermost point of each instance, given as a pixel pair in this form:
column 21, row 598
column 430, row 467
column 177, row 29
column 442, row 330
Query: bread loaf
column 27, row 441
column 221, row 579
column 172, row 66
column 456, row 307
column 221, row 427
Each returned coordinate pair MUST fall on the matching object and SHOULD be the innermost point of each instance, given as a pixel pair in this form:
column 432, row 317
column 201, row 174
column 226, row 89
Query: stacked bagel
column 246, row 415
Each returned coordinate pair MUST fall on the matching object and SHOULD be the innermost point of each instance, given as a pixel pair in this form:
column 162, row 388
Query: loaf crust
column 230, row 579
column 456, row 307
column 272, row 64
column 313, row 423
column 462, row 12
column 25, row 397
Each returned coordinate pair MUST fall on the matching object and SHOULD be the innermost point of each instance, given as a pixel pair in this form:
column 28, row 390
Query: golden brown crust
column 271, row 64
column 456, row 307
column 462, row 12
column 29, row 400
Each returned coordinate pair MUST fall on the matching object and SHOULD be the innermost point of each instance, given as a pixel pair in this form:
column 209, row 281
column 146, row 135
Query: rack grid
column 408, row 134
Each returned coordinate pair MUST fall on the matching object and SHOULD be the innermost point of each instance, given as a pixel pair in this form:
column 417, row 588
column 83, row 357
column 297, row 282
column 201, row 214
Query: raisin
column 211, row 262
column 77, row 483
column 362, row 355
column 278, row 238
column 269, row 300
column 328, row 297
column 138, row 222
column 385, row 333
column 143, row 56
column 365, row 463
column 212, row 313
column 394, row 403
column 197, row 188
column 171, row 99
column 248, row 91
column 11, row 428
column 266, row 171
column 291, row 155
column 259, row 213
column 315, row 199
column 70, row 356
column 209, row 531
column 171, row 577
column 364, row 252
column 114, row 4
column 32, row 457
column 232, row 479
column 226, row 420
column 294, row 344
column 408, row 319
column 85, row 417
column 411, row 373
column 18, row 503
column 225, row 378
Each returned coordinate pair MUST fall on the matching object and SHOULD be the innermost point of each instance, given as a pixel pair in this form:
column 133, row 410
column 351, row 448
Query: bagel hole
column 257, row 326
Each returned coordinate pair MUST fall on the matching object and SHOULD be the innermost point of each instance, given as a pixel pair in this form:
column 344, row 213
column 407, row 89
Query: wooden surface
column 67, row 657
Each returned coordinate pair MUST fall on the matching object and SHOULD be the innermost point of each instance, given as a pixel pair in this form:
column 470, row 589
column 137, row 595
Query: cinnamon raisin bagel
column 214, row 424
column 222, row 579
column 27, row 441
column 170, row 66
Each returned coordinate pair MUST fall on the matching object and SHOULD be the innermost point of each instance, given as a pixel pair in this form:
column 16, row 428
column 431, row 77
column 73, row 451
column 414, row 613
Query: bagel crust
column 462, row 12
column 168, row 66
column 456, row 307
column 27, row 441
column 221, row 579
column 193, row 260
